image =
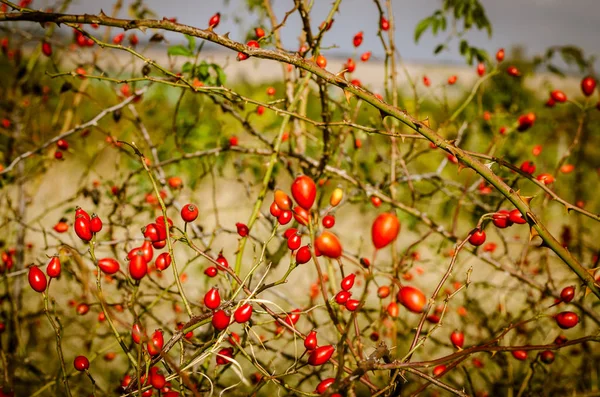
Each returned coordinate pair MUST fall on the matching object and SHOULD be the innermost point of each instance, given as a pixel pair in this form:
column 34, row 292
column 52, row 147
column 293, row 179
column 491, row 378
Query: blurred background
column 533, row 24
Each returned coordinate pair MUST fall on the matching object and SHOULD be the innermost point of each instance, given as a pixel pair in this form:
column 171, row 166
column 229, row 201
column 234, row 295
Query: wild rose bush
column 168, row 232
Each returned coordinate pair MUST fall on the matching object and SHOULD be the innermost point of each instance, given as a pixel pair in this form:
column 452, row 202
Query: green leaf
column 464, row 47
column 439, row 49
column 191, row 42
column 221, row 76
column 179, row 50
column 555, row 70
column 187, row 67
column 422, row 27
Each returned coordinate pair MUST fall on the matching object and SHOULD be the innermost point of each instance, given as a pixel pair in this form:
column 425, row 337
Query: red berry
column 212, row 299
column 328, row 221
column 46, row 48
column 328, row 244
column 243, row 313
column 62, row 144
column 293, row 317
column 303, row 255
column 259, row 32
column 322, row 387
column 352, row 304
column 213, row 22
column 136, row 333
column 189, row 213
column 358, row 39
column 108, row 265
column 481, row 69
column 81, row 363
column 82, row 228
column 588, row 85
column 283, row 201
column 301, row 215
column 342, row 297
column 365, row 56
column 501, row 219
column 53, row 268
column 222, row 262
column 95, row 224
column 321, row 61
column 156, row 342
column 138, row 266
column 348, row 282
column 384, row 24
column 220, row 320
column 558, row 96
column 520, row 355
column 242, row 229
column 320, row 355
column 477, row 238
column 285, row 217
column 211, row 271
column 275, row 210
column 223, row 355
column 383, row 292
column 163, row 261
column 385, row 230
column 547, row 357
column 528, row 167
column 37, row 279
column 567, row 294
column 525, row 121
column 393, row 309
column 438, row 370
column 566, row 320
column 82, row 309
column 513, row 71
column 304, row 191
column 515, row 216
column 310, row 343
column 294, row 242
column 457, row 338
column 500, row 55
column 412, row 298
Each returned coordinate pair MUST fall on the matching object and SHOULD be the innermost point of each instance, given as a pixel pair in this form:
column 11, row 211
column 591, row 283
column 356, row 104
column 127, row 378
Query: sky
column 534, row 24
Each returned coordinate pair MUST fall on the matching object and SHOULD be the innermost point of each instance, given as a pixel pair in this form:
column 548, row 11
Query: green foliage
column 471, row 13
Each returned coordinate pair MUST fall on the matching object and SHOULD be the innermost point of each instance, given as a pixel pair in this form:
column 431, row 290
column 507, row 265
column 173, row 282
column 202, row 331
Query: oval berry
column 108, row 265
column 304, row 191
column 412, row 298
column 37, row 279
column 82, row 228
column 163, row 261
column 566, row 320
column 212, row 299
column 243, row 313
column 348, row 282
column 385, row 230
column 342, row 297
column 320, row 355
column 156, row 342
column 303, row 255
column 53, row 268
column 457, row 338
column 310, row 343
column 95, row 224
column 328, row 244
column 138, row 267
